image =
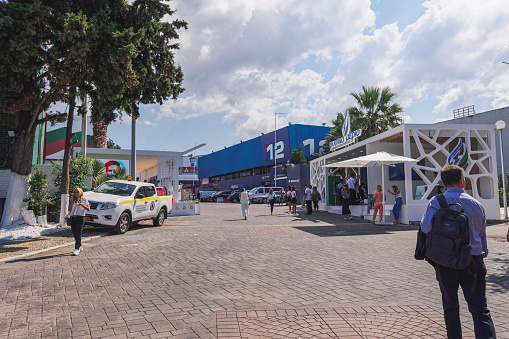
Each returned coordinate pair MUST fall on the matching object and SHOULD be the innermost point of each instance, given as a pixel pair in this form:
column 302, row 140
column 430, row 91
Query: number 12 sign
column 279, row 151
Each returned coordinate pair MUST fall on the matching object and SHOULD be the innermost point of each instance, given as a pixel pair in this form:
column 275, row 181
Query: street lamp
column 500, row 125
column 274, row 148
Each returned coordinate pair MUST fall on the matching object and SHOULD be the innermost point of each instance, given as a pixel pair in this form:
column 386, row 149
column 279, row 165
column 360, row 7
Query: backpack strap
column 442, row 201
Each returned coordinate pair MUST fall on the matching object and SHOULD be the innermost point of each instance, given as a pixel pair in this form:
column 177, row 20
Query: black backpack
column 448, row 242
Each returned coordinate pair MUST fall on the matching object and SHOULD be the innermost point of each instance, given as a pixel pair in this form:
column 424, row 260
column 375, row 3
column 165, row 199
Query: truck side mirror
column 138, row 196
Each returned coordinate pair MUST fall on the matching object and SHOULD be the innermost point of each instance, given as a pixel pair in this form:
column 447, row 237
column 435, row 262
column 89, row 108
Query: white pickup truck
column 118, row 203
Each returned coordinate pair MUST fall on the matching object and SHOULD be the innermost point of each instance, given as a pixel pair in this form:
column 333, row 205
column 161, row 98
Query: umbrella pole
column 383, row 195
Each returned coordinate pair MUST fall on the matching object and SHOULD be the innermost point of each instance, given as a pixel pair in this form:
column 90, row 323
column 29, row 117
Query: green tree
column 31, row 73
column 155, row 77
column 375, row 110
column 112, row 145
column 374, row 113
column 298, row 156
column 118, row 54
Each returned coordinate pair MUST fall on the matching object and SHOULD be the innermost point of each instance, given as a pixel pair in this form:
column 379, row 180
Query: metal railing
column 464, row 112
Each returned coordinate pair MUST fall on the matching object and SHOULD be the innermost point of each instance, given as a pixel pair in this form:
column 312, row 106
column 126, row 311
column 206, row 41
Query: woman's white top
column 271, row 196
column 244, row 198
column 398, row 195
column 78, row 210
column 294, row 194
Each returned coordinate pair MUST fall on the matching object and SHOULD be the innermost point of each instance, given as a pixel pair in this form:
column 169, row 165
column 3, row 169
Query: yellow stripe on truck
column 146, row 199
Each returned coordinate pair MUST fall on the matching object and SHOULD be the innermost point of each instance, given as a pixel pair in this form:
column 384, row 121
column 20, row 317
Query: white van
column 259, row 194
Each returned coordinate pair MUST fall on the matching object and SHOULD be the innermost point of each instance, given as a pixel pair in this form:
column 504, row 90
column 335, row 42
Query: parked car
column 263, row 198
column 205, row 195
column 234, row 197
column 221, row 195
column 118, row 203
column 261, row 192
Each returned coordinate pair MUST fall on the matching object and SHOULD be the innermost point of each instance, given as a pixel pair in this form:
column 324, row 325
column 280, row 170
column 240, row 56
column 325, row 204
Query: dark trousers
column 315, row 204
column 449, row 281
column 308, row 207
column 271, row 203
column 77, row 224
column 352, row 196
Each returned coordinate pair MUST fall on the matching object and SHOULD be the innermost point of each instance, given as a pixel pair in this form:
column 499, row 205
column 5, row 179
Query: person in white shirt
column 352, row 184
column 78, row 206
column 244, row 203
column 307, row 195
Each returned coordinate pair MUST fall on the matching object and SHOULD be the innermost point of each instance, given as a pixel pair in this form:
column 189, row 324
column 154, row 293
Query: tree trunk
column 100, row 134
column 22, row 152
column 64, row 193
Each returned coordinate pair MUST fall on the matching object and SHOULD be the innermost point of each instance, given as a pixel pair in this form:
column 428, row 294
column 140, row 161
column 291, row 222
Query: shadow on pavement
column 31, row 259
column 499, row 281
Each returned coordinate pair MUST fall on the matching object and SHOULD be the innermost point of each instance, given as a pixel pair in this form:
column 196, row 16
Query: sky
column 244, row 60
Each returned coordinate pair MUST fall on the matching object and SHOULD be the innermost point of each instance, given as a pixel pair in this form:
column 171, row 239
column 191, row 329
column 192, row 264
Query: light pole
column 500, row 125
column 274, row 148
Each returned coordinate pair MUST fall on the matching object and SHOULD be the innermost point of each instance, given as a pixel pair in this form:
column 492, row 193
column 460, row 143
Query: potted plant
column 38, row 197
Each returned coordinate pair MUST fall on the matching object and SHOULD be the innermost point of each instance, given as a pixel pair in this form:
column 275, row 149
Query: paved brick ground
column 270, row 276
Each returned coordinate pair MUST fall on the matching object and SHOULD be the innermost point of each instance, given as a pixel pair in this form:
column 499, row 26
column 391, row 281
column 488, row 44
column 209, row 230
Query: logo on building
column 454, row 157
column 346, row 124
column 347, row 137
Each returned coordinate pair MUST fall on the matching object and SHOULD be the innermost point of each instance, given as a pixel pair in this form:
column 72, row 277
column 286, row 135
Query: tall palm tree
column 376, row 111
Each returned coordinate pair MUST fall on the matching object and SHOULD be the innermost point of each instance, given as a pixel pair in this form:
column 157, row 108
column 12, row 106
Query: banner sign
column 346, row 140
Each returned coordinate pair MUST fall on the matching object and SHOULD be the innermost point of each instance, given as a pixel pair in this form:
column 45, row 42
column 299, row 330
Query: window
column 149, row 191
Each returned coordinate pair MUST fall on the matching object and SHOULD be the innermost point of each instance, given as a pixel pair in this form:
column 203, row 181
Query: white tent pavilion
column 372, row 160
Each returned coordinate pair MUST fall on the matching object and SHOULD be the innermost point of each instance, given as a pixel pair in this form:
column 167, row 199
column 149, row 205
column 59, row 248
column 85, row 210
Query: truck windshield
column 115, row 188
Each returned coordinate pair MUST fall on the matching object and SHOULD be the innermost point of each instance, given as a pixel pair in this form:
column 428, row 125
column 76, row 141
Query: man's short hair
column 451, row 175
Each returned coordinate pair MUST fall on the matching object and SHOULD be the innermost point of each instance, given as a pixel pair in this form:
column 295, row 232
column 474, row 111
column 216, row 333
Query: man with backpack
column 445, row 223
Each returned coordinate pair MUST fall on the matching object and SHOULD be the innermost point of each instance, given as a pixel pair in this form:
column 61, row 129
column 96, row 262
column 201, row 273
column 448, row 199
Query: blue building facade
column 251, row 163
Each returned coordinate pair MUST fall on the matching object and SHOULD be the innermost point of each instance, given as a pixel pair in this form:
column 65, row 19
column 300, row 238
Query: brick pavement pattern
column 197, row 276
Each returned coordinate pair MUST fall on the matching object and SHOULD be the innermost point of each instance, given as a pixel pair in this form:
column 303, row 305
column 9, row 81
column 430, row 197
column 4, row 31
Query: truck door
column 140, row 205
column 151, row 199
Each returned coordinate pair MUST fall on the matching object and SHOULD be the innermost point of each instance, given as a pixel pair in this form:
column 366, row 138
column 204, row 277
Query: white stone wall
column 4, row 180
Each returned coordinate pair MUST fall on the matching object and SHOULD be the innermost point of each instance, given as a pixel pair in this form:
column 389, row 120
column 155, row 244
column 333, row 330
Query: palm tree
column 376, row 111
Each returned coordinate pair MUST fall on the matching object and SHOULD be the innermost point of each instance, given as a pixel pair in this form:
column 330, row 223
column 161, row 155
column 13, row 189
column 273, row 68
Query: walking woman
column 378, row 203
column 345, row 194
column 315, row 197
column 293, row 195
column 78, row 206
column 244, row 203
column 271, row 200
column 399, row 201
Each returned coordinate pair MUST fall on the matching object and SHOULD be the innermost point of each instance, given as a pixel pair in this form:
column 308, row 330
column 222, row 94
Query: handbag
column 68, row 220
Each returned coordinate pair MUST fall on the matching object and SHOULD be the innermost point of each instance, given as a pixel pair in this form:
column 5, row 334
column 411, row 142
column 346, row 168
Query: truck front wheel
column 123, row 223
column 159, row 220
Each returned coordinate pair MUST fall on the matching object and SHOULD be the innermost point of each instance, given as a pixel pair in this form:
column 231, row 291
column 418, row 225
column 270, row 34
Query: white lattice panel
column 168, row 174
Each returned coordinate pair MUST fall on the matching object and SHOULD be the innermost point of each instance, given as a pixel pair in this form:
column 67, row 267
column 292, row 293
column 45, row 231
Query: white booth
column 434, row 146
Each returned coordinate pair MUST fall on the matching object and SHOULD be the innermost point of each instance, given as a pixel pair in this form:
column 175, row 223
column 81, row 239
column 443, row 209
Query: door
column 144, row 207
column 151, row 202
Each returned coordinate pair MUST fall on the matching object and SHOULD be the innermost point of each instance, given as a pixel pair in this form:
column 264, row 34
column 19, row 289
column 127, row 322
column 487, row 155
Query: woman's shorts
column 294, row 200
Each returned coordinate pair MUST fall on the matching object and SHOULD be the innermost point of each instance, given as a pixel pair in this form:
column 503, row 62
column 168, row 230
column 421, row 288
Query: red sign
column 189, row 170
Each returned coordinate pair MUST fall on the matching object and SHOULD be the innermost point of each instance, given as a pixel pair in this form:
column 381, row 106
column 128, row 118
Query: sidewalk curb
column 51, row 248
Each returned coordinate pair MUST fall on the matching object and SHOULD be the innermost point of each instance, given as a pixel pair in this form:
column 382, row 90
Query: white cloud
column 248, row 59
